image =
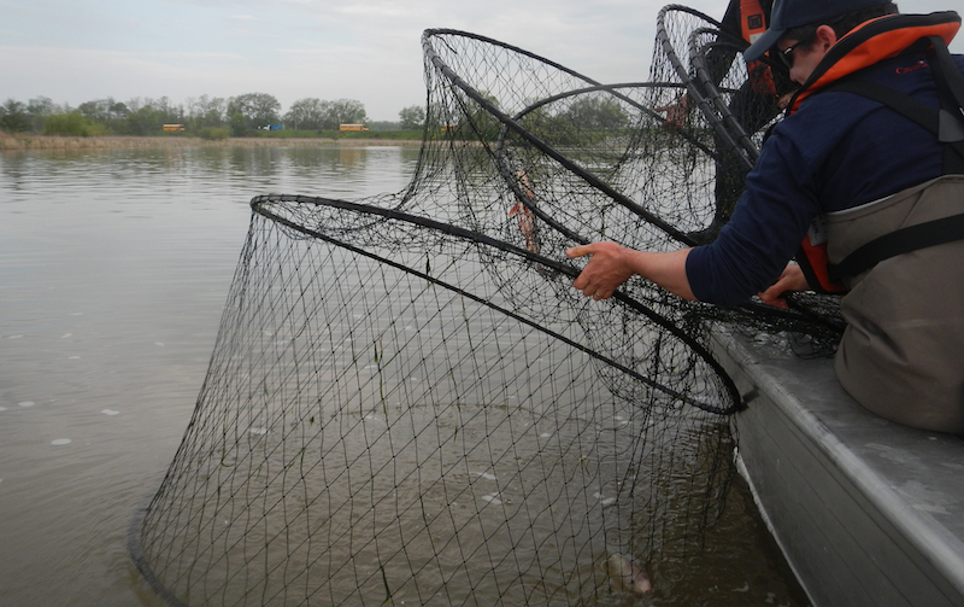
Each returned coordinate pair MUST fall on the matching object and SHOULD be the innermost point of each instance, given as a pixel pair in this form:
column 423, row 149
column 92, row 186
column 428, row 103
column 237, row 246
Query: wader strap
column 947, row 124
column 951, row 85
column 904, row 240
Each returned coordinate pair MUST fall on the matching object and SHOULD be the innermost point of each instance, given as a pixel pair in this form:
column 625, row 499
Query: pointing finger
column 579, row 251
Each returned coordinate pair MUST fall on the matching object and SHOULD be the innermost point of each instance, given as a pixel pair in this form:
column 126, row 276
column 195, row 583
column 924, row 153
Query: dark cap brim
column 762, row 44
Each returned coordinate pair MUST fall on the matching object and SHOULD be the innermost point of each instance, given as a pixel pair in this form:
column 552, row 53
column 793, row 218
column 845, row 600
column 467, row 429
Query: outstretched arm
column 611, row 265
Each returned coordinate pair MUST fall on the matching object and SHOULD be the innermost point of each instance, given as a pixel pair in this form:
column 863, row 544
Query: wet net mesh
column 408, row 403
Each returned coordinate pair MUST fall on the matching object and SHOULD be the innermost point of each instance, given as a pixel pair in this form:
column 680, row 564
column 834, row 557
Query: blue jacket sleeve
column 765, row 232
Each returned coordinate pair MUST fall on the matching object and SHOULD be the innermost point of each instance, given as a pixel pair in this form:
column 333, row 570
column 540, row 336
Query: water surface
column 114, row 270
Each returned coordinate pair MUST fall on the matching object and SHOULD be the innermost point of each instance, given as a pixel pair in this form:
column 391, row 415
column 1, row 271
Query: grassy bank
column 14, row 142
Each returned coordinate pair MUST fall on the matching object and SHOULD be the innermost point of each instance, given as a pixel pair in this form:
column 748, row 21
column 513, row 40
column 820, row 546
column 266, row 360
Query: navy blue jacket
column 839, row 150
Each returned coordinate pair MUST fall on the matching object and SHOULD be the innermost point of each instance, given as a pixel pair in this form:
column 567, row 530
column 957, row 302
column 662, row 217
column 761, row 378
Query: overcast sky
column 369, row 50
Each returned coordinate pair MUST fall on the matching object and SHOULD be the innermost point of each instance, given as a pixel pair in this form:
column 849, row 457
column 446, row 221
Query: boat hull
column 867, row 512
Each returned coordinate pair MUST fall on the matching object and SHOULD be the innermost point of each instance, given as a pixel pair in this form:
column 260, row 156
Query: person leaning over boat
column 758, row 101
column 857, row 171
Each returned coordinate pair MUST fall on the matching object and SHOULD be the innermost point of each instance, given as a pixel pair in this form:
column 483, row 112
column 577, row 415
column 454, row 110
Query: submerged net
column 408, row 403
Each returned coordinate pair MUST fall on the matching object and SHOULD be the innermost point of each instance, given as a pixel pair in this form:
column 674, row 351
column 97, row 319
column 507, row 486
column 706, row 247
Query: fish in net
column 408, row 403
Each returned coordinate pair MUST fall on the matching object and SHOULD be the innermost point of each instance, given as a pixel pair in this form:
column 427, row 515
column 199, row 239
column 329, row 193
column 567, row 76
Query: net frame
column 524, row 163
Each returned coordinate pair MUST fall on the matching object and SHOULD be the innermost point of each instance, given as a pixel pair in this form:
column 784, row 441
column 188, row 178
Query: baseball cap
column 788, row 14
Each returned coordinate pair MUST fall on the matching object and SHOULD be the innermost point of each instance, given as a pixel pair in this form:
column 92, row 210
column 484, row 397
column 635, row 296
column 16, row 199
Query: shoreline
column 21, row 143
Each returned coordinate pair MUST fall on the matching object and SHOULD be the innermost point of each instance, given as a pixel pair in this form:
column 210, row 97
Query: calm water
column 114, row 269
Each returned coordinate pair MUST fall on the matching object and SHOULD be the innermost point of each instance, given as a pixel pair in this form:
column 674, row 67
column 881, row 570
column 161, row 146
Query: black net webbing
column 409, row 403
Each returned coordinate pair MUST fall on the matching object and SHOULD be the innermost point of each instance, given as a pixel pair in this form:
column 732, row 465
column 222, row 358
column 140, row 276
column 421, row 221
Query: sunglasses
column 786, row 55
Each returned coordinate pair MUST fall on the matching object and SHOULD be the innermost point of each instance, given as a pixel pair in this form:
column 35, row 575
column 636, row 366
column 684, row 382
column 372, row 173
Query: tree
column 239, row 125
column 207, row 111
column 72, row 124
column 480, row 123
column 43, row 106
column 344, row 111
column 93, row 110
column 14, row 117
column 412, row 117
column 258, row 109
column 143, row 121
column 40, row 109
column 597, row 113
column 117, row 110
column 106, row 111
column 307, row 114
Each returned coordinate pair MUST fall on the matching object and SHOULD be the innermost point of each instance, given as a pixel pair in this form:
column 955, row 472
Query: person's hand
column 792, row 279
column 675, row 112
column 608, row 268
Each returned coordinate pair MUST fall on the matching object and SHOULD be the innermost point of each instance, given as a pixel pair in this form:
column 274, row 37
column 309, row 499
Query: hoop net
column 409, row 403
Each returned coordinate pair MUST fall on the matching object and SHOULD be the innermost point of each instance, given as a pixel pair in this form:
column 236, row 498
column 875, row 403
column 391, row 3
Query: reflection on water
column 114, row 269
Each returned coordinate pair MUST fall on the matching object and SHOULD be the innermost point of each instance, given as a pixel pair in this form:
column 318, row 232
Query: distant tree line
column 581, row 120
column 213, row 117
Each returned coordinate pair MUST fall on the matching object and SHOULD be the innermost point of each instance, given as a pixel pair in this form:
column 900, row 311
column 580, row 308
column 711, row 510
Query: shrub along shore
column 23, row 141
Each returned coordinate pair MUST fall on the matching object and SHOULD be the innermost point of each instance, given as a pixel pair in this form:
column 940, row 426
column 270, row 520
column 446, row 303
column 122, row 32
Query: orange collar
column 874, row 41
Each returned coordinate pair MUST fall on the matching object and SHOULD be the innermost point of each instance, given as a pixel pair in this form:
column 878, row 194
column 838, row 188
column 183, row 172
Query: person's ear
column 826, row 37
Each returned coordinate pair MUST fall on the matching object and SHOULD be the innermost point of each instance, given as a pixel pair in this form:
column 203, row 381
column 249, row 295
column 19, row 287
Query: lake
column 114, row 270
